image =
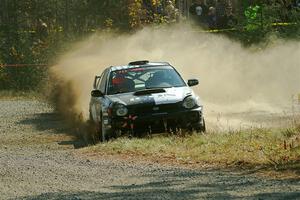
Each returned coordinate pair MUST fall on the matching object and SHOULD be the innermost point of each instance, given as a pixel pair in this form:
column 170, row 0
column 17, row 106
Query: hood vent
column 149, row 91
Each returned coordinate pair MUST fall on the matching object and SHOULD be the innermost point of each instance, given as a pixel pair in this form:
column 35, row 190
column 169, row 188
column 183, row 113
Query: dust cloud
column 237, row 84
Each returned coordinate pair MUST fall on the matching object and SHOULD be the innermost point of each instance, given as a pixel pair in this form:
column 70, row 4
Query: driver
column 122, row 84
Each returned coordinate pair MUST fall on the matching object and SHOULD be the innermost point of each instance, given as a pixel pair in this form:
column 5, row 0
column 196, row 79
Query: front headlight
column 121, row 110
column 189, row 102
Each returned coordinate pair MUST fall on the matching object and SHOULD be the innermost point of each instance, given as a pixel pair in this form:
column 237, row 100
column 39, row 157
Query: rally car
column 144, row 97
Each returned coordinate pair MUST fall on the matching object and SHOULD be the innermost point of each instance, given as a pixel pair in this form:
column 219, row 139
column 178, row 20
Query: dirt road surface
column 38, row 160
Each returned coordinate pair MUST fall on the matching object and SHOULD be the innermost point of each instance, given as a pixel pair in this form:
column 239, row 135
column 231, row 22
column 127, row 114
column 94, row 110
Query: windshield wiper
column 158, row 87
column 119, row 92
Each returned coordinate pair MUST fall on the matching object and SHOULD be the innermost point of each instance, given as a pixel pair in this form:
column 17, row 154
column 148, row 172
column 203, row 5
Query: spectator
column 211, row 18
column 199, row 11
column 192, row 8
column 204, row 7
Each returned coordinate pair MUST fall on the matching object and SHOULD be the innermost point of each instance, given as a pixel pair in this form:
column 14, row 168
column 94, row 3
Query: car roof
column 137, row 64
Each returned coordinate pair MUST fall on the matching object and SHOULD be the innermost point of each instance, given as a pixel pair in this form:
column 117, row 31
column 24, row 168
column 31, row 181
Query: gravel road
column 38, row 161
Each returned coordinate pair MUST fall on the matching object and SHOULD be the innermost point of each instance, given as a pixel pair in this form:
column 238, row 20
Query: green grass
column 259, row 147
column 12, row 94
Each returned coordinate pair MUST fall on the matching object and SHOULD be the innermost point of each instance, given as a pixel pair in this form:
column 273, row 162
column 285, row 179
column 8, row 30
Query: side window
column 99, row 81
column 103, row 82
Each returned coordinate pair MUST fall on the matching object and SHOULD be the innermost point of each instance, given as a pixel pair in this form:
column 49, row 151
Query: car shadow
column 53, row 123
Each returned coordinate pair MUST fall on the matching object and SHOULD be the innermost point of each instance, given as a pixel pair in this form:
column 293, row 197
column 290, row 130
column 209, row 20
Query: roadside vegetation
column 17, row 94
column 253, row 149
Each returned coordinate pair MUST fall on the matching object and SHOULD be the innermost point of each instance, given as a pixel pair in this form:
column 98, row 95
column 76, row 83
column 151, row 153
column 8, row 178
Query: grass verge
column 15, row 95
column 265, row 148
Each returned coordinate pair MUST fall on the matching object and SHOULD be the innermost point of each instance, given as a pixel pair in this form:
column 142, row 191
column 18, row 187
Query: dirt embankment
column 38, row 161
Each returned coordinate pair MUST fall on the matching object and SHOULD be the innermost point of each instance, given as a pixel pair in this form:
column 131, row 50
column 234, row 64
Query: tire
column 97, row 130
column 102, row 131
column 101, row 134
column 90, row 116
column 201, row 128
column 104, row 134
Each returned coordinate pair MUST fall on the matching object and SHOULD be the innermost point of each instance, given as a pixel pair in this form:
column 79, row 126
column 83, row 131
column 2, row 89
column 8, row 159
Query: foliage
column 143, row 12
column 264, row 18
column 37, row 31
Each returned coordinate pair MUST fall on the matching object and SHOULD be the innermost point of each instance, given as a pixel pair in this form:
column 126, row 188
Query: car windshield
column 140, row 78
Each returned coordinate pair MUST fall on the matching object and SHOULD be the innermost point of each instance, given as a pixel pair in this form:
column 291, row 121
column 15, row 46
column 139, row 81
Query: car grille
column 148, row 109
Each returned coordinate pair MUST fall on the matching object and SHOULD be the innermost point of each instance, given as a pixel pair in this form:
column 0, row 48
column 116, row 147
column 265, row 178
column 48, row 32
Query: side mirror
column 193, row 82
column 97, row 93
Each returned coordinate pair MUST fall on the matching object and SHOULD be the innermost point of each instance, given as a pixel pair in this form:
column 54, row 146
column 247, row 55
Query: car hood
column 171, row 95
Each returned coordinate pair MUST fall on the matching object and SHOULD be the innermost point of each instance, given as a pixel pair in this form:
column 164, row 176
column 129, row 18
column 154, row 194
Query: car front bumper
column 182, row 118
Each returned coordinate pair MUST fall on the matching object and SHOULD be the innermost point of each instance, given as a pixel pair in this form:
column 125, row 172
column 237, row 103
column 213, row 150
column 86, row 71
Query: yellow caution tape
column 26, row 31
column 23, row 65
column 283, row 24
column 219, row 30
column 235, row 29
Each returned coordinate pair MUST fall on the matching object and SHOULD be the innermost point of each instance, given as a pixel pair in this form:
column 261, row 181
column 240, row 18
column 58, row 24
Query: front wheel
column 201, row 128
column 104, row 134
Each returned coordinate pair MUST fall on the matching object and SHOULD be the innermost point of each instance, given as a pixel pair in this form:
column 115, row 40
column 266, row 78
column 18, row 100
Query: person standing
column 199, row 11
column 204, row 8
column 211, row 18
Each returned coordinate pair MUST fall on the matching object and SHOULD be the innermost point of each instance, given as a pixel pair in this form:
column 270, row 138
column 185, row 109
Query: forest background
column 35, row 32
